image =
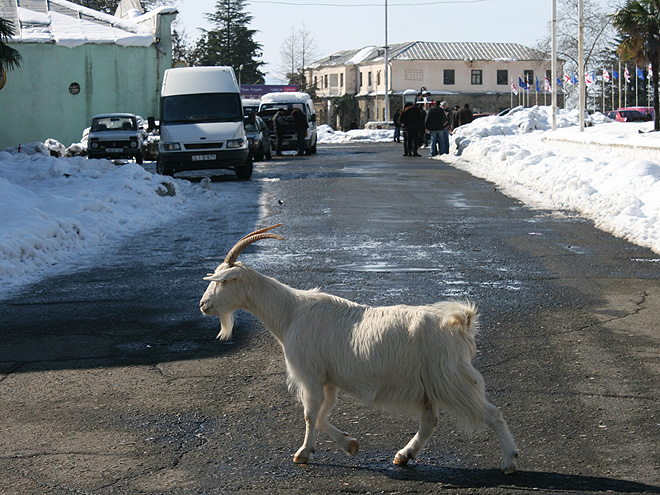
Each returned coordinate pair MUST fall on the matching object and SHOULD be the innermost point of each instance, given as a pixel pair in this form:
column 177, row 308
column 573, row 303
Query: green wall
column 35, row 103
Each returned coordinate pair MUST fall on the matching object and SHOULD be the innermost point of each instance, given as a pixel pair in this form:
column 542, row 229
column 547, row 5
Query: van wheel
column 245, row 172
column 160, row 169
column 139, row 160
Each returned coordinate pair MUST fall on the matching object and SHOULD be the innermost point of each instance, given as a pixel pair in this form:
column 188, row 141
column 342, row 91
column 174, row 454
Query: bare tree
column 297, row 50
column 598, row 34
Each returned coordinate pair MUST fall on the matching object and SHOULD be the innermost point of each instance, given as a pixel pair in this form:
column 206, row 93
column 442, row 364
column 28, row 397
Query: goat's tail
column 460, row 315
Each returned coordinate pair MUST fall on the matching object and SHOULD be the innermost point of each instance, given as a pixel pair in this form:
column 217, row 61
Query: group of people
column 281, row 125
column 432, row 124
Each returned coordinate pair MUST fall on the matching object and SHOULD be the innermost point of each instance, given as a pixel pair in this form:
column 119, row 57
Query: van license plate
column 202, row 158
column 114, row 150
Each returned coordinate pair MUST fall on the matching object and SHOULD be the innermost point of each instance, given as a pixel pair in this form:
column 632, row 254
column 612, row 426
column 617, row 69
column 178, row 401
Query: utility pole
column 554, row 65
column 387, row 72
column 581, row 81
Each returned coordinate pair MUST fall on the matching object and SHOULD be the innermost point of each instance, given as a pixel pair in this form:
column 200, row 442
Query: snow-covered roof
column 69, row 24
column 285, row 97
column 433, row 50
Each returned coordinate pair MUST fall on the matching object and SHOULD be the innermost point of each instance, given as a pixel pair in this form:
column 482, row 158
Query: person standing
column 465, row 115
column 411, row 119
column 397, row 126
column 435, row 123
column 279, row 127
column 300, row 125
column 444, row 133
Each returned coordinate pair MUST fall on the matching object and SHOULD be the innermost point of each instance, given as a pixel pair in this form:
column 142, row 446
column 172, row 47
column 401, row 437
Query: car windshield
column 114, row 124
column 286, row 106
column 196, row 108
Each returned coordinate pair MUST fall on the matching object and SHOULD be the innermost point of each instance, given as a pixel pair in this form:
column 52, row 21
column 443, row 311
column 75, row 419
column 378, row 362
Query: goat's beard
column 226, row 326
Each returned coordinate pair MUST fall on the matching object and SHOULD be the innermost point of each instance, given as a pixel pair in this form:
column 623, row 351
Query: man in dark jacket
column 279, row 127
column 436, row 121
column 411, row 119
column 300, row 125
column 465, row 115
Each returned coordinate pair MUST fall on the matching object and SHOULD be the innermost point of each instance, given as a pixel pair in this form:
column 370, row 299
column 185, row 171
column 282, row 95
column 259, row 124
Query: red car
column 626, row 116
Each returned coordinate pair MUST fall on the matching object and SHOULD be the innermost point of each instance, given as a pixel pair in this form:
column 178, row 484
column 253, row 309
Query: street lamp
column 240, row 69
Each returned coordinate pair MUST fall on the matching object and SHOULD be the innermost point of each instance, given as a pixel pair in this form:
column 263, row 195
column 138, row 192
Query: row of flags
column 568, row 80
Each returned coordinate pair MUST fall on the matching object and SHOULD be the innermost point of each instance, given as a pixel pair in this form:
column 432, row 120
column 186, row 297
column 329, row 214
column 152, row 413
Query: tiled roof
column 431, row 50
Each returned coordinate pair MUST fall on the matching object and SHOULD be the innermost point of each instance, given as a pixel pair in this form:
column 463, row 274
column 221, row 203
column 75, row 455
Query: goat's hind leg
column 349, row 444
column 495, row 420
column 428, row 420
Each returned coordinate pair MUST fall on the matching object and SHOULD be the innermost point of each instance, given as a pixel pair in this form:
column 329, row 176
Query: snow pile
column 618, row 192
column 326, row 135
column 52, row 209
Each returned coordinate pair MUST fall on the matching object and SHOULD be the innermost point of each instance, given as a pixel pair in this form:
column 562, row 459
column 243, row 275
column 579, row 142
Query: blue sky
column 345, row 24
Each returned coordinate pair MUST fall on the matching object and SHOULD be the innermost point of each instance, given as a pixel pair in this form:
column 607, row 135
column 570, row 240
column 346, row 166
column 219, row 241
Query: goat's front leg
column 312, row 400
column 349, row 444
column 428, row 420
column 495, row 420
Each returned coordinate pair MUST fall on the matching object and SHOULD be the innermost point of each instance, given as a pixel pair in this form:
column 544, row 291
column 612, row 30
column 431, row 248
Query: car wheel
column 160, row 168
column 245, row 172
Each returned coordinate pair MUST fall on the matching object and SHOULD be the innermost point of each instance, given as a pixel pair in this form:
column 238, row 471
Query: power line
column 413, row 4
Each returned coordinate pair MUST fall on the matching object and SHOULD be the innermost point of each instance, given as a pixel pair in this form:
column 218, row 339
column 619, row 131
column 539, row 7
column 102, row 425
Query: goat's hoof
column 300, row 459
column 400, row 459
column 510, row 466
column 353, row 447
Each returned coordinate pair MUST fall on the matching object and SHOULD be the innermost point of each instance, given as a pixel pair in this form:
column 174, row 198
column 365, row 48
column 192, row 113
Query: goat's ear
column 222, row 275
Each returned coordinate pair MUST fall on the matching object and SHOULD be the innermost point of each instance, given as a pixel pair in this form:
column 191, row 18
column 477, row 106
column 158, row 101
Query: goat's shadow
column 493, row 478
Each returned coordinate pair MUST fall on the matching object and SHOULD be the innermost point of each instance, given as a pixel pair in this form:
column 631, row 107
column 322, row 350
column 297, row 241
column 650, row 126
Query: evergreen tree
column 9, row 58
column 231, row 42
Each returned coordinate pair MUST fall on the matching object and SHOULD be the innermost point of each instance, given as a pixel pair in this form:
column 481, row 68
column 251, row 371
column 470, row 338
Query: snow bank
column 52, row 209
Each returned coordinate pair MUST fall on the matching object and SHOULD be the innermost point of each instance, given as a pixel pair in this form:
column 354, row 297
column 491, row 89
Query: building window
column 413, row 74
column 341, row 80
column 378, row 78
column 503, row 76
column 326, row 81
column 529, row 76
column 369, row 79
column 360, row 79
column 477, row 77
column 316, row 82
column 449, row 76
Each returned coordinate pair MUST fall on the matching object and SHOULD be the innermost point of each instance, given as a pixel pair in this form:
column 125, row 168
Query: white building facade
column 479, row 74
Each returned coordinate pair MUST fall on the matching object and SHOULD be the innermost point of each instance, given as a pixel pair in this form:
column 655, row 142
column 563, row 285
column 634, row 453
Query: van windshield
column 206, row 107
column 285, row 106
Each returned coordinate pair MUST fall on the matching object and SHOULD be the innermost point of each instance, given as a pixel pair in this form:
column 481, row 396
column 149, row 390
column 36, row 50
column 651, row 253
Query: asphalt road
column 111, row 380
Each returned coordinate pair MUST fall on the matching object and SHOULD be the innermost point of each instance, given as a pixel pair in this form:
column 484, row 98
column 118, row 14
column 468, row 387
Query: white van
column 201, row 122
column 272, row 102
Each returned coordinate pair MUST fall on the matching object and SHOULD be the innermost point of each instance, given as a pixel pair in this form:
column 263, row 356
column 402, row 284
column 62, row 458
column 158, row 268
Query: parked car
column 258, row 136
column 646, row 111
column 626, row 115
column 115, row 136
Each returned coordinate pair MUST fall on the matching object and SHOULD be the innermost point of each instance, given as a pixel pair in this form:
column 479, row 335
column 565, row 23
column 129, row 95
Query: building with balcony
column 350, row 84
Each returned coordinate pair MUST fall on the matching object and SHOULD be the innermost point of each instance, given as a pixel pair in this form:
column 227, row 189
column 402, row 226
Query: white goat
column 402, row 358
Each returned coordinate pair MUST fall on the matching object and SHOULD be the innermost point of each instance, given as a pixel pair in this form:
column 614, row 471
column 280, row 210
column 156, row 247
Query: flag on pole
column 626, row 74
column 615, row 74
column 650, row 71
column 548, row 88
column 521, row 84
column 588, row 79
column 560, row 83
column 574, row 78
column 606, row 75
column 568, row 79
column 513, row 88
column 640, row 74
column 538, row 86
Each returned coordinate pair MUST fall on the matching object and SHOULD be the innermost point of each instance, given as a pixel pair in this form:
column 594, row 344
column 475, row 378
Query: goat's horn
column 255, row 236
column 260, row 231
